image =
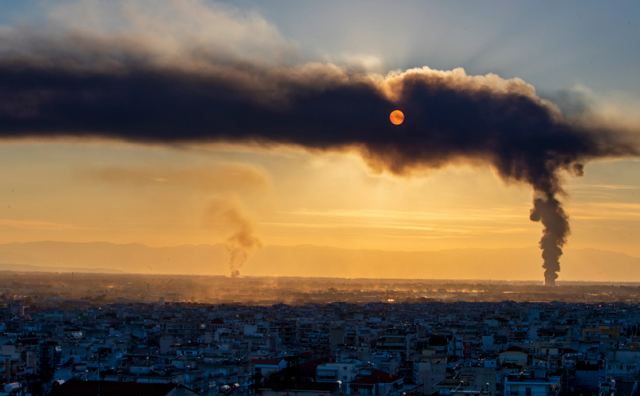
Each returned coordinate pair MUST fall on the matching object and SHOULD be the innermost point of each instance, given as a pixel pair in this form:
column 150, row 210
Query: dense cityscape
column 319, row 198
column 54, row 343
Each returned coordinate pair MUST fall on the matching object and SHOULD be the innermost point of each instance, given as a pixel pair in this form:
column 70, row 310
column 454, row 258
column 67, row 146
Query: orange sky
column 165, row 195
column 105, row 191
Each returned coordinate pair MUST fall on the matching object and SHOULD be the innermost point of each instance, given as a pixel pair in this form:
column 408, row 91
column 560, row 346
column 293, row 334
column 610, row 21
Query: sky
column 575, row 54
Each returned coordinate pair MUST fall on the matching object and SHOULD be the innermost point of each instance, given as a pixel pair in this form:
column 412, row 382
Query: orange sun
column 396, row 117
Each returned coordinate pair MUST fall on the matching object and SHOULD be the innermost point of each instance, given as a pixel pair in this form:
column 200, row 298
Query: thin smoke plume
column 241, row 239
column 134, row 86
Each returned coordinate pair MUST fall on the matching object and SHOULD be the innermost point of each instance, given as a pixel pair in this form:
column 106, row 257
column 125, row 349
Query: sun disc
column 396, row 117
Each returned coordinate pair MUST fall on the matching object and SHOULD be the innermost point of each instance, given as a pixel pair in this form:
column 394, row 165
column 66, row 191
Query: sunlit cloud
column 608, row 187
column 413, row 224
column 466, row 215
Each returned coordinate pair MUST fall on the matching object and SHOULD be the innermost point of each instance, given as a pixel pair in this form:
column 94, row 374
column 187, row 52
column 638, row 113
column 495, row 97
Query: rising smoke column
column 227, row 216
column 129, row 89
column 239, row 245
column 548, row 210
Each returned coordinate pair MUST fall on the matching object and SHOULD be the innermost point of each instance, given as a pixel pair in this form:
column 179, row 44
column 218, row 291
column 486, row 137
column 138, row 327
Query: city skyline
column 319, row 198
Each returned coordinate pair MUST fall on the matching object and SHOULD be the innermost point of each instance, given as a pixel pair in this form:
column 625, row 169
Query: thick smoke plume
column 548, row 210
column 88, row 85
column 241, row 240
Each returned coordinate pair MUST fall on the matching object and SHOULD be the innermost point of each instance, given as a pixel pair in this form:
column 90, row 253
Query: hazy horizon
column 589, row 265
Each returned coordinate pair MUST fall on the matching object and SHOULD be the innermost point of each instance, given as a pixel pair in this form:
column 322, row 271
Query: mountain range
column 316, row 261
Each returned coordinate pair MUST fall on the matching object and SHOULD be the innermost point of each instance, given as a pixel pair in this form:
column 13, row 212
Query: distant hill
column 35, row 268
column 499, row 264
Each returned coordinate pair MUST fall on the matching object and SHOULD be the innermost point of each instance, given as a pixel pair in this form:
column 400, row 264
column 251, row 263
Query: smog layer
column 107, row 288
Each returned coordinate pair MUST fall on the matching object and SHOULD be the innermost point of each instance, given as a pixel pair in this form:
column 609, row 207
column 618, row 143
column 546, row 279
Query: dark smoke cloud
column 85, row 87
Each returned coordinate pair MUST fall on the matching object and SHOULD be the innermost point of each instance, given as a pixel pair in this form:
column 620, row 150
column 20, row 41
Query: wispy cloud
column 223, row 177
column 607, row 187
column 463, row 215
column 420, row 224
column 38, row 225
column 606, row 211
